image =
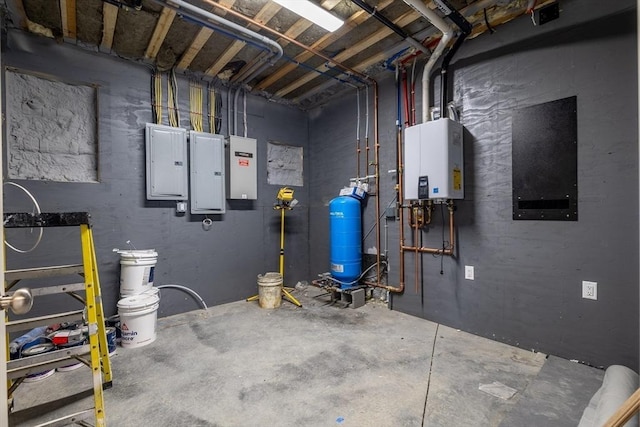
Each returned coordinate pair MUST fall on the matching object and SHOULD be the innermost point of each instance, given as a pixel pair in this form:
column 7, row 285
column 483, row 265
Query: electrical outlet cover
column 589, row 290
column 468, row 272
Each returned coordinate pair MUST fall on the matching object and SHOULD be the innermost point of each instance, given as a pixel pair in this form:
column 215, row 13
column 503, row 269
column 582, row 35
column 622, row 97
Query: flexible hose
column 37, row 206
column 361, row 276
column 187, row 290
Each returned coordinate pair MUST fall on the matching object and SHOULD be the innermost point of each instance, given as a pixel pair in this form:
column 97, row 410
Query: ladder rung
column 40, row 272
column 58, row 289
column 69, row 419
column 21, row 325
column 42, row 362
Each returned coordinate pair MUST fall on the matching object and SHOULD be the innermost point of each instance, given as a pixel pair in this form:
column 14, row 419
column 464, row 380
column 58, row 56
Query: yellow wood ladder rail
column 93, row 314
column 624, row 413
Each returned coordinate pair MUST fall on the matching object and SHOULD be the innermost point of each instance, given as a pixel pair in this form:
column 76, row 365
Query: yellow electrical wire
column 212, row 110
column 157, row 97
column 195, row 106
column 192, row 119
column 171, row 107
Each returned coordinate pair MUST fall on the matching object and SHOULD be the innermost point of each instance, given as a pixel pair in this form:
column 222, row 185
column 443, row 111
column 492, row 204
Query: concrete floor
column 320, row 365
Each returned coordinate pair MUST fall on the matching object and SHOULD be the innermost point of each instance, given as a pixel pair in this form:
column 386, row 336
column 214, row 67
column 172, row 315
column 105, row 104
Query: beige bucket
column 270, row 290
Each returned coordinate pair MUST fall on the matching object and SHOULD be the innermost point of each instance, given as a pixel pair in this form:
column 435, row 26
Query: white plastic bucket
column 136, row 271
column 270, row 290
column 138, row 318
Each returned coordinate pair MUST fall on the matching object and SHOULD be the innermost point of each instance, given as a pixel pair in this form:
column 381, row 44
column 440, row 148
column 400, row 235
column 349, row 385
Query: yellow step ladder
column 96, row 353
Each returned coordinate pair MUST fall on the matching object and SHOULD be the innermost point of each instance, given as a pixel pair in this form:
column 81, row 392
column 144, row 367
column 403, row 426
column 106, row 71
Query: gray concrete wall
column 221, row 264
column 527, row 287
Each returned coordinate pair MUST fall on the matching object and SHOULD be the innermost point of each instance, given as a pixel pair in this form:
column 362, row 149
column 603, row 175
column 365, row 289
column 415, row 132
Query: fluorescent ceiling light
column 313, row 13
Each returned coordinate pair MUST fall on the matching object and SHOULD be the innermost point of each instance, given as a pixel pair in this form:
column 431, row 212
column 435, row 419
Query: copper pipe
column 400, row 193
column 417, row 258
column 440, row 251
column 376, row 157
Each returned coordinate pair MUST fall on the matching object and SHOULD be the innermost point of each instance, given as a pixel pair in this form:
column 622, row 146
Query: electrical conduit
column 237, row 30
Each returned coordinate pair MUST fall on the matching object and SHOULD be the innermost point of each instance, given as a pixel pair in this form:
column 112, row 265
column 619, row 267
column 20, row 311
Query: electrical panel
column 206, row 164
column 166, row 159
column 242, row 168
column 433, row 160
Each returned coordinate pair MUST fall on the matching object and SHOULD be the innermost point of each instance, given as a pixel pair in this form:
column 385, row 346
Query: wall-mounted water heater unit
column 243, row 169
column 433, row 160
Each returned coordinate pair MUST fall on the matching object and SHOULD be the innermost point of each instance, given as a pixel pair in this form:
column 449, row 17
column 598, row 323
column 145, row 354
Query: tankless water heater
column 433, row 160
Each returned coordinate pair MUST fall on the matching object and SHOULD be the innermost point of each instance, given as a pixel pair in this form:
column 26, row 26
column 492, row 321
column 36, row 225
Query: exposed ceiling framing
column 161, row 34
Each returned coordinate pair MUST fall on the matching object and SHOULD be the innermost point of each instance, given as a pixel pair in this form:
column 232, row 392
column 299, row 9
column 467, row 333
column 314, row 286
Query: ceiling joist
column 354, row 20
column 109, row 18
column 374, row 38
column 68, row 15
column 200, row 41
column 267, row 12
column 160, row 32
column 155, row 33
column 299, row 27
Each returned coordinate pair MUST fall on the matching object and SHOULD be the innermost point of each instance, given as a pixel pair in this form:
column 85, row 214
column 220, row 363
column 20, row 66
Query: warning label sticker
column 457, row 179
column 243, row 162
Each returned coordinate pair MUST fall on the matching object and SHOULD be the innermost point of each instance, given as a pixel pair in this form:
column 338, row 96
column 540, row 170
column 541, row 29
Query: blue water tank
column 346, row 239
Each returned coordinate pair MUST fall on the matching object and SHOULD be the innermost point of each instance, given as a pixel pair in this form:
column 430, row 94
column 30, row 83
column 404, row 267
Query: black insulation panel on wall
column 545, row 161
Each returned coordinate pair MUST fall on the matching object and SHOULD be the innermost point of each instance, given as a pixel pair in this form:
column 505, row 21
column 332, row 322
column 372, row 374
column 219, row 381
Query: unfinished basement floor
column 319, row 365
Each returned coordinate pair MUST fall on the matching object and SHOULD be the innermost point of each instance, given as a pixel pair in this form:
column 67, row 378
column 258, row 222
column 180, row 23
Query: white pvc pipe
column 447, row 35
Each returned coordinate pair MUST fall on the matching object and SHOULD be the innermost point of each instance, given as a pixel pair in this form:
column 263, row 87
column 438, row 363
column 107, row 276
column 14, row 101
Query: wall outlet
column 468, row 272
column 589, row 290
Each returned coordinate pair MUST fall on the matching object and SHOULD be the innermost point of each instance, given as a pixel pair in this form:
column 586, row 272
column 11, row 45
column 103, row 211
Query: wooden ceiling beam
column 265, row 14
column 68, row 16
column 374, row 38
column 479, row 26
column 196, row 46
column 109, row 18
column 299, row 27
column 354, row 20
column 200, row 40
column 160, row 32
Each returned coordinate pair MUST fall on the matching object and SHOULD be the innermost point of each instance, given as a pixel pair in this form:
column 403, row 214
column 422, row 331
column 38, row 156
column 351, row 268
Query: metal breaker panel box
column 166, row 159
column 206, row 178
column 242, row 168
column 433, row 160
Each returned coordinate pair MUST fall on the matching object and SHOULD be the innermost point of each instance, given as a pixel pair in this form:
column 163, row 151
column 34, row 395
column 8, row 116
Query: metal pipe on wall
column 465, row 30
column 439, row 251
column 447, row 35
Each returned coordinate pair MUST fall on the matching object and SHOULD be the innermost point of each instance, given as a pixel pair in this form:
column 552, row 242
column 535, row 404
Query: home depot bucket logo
column 127, row 335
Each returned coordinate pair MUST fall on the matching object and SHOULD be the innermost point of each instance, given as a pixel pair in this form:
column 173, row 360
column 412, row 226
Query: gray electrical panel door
column 166, row 162
column 207, row 173
column 243, row 169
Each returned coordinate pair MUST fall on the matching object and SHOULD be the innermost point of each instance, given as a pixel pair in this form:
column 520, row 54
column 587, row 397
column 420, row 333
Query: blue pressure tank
column 346, row 239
